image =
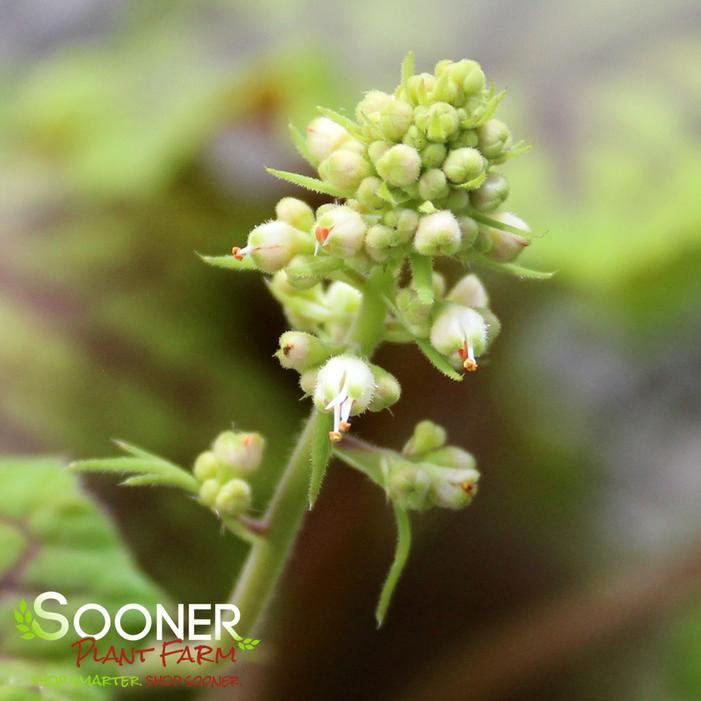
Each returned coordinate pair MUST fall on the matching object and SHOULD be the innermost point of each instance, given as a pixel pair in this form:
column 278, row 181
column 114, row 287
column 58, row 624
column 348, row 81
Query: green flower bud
column 466, row 138
column 346, row 386
column 463, row 165
column 494, row 139
column 442, row 67
column 307, row 381
column 491, row 193
column 415, row 138
column 433, row 185
column 295, row 212
column 272, row 245
column 470, row 75
column 439, row 122
column 324, row 136
column 343, row 299
column 457, row 201
column 341, row 231
column 209, row 491
column 415, row 314
column 395, row 118
column 387, row 389
column 301, row 351
column 452, row 457
column 504, row 245
column 453, row 489
column 420, row 87
column 437, row 235
column 408, row 486
column 239, row 451
column 206, row 466
column 427, row 436
column 368, row 110
column 445, row 90
column 301, row 282
column 469, row 229
column 400, row 165
column 460, row 333
column 344, row 169
column 367, row 195
column 379, row 240
column 433, row 155
column 377, row 149
column 470, row 292
column 234, row 498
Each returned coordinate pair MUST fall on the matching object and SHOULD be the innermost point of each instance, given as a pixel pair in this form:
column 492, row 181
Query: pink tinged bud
column 272, row 245
column 463, row 165
column 341, row 231
column 400, row 165
column 469, row 292
column 453, row 488
column 295, row 212
column 238, row 451
column 345, row 386
column 324, row 136
column 506, row 246
column 344, row 169
column 438, row 234
column 459, row 333
column 491, row 193
column 368, row 110
column 301, row 351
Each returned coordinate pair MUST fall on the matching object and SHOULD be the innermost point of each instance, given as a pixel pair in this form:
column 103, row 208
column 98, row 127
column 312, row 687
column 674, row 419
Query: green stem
column 266, row 559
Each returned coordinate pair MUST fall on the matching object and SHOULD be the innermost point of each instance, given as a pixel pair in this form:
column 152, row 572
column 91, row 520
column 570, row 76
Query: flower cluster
column 415, row 180
column 223, row 470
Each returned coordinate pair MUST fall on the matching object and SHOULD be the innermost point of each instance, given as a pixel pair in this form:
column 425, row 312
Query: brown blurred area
column 136, row 134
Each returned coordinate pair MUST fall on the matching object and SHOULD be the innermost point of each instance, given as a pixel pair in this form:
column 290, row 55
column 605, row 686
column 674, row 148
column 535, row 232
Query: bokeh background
column 133, row 134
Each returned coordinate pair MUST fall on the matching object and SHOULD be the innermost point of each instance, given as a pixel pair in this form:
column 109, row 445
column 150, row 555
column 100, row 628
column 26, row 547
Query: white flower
column 340, row 231
column 461, row 334
column 324, row 136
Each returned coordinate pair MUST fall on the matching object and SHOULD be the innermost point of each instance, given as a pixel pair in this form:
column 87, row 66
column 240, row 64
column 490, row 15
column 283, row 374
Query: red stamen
column 322, row 233
column 236, row 252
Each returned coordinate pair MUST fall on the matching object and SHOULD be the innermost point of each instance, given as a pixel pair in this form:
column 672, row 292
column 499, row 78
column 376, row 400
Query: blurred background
column 133, row 134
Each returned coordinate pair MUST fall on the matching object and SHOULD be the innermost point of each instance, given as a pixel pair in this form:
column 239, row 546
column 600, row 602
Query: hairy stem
column 267, row 558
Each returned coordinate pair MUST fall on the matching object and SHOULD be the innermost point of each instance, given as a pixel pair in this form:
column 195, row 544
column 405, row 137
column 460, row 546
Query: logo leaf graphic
column 23, row 617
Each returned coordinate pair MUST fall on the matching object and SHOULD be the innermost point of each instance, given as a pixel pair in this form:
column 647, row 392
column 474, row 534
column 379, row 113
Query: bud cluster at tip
column 224, row 469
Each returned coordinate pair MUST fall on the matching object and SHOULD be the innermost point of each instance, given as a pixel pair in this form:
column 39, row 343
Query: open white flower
column 461, row 334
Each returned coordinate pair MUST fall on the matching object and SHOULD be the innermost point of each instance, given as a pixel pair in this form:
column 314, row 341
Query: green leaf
column 496, row 224
column 313, row 184
column 385, row 193
column 301, row 146
column 438, row 361
column 407, row 70
column 229, row 262
column 422, row 276
column 320, row 453
column 401, row 555
column 54, row 538
column 474, row 183
column 514, row 269
column 346, row 122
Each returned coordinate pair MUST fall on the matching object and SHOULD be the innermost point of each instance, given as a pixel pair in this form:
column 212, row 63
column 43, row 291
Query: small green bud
column 438, row 234
column 470, row 75
column 301, row 351
column 463, row 165
column 506, row 246
column 346, row 386
column 460, row 333
column 408, row 486
column 491, row 193
column 494, row 139
column 379, row 240
column 469, row 229
column 324, row 136
column 415, row 138
column 341, row 231
column 301, row 282
column 242, row 452
column 457, row 201
column 433, row 185
column 272, row 245
column 470, row 292
column 295, row 212
column 420, row 87
column 415, row 314
column 367, row 111
column 377, row 149
column 400, row 165
column 234, row 498
column 395, row 118
column 466, row 138
column 451, row 456
column 387, row 389
column 440, row 121
column 433, row 155
column 208, row 492
column 344, row 169
column 342, row 298
column 446, row 90
column 453, row 488
column 443, row 66
column 206, row 466
column 367, row 195
column 427, row 436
